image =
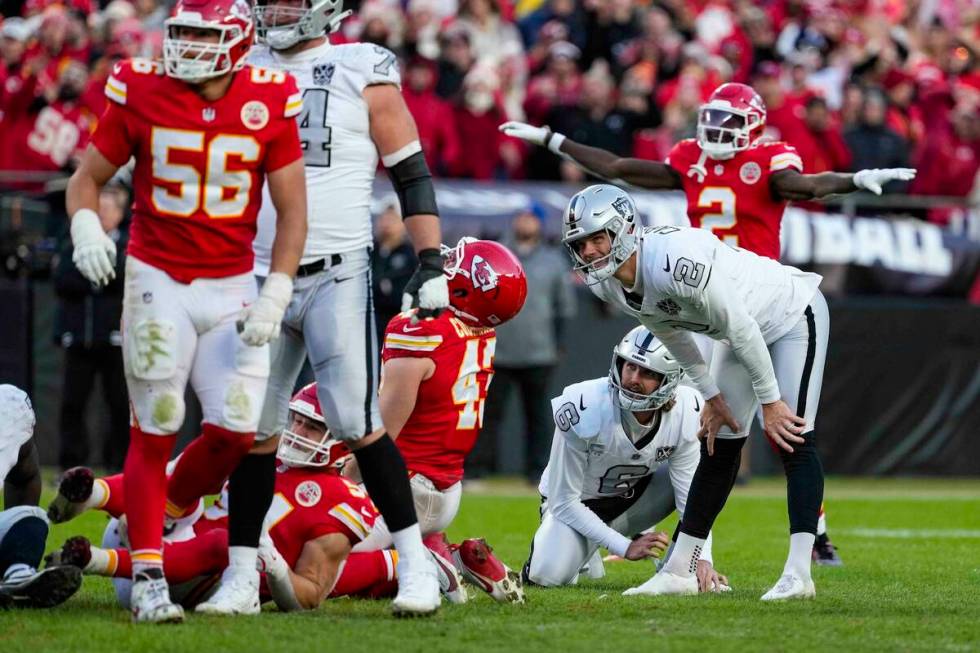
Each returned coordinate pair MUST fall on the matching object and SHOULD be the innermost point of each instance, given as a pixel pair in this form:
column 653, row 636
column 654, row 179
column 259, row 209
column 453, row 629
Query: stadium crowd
column 851, row 84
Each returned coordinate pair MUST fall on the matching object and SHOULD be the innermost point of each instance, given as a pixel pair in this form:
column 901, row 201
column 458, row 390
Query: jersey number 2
column 723, row 219
column 466, row 390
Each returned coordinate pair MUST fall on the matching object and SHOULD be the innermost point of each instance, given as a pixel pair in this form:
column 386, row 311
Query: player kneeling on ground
column 622, row 460
column 434, row 382
column 23, row 526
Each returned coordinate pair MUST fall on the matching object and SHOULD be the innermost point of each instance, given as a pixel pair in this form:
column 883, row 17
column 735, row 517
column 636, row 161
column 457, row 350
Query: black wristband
column 430, row 259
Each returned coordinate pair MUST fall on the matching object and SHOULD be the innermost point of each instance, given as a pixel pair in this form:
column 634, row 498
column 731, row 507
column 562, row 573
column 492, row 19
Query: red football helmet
column 194, row 60
column 730, row 121
column 299, row 451
column 487, row 285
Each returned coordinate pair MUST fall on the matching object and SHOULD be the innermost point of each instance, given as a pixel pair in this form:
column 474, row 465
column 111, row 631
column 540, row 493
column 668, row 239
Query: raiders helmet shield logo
column 482, row 275
column 623, row 208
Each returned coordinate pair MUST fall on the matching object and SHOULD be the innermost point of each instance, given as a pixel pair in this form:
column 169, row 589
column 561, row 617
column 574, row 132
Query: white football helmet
column 299, row 451
column 601, row 207
column 281, row 26
column 644, row 349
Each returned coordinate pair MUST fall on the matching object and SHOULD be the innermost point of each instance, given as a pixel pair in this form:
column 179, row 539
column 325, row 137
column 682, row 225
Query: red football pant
column 205, row 555
column 205, row 465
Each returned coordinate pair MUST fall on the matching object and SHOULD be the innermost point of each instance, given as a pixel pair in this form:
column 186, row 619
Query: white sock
column 18, row 571
column 99, row 496
column 822, row 524
column 243, row 557
column 103, row 563
column 800, row 553
column 684, row 556
column 408, row 543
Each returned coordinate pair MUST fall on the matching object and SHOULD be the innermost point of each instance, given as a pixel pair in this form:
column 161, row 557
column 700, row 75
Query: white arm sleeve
column 682, row 346
column 569, row 455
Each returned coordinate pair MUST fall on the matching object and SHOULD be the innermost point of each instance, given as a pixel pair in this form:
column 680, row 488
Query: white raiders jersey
column 588, row 418
column 688, row 281
column 16, row 426
column 334, row 129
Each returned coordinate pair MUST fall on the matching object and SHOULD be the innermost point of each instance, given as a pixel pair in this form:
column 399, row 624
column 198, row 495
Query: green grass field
column 911, row 582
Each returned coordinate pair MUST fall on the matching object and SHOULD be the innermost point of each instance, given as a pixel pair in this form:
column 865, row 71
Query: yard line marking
column 911, row 533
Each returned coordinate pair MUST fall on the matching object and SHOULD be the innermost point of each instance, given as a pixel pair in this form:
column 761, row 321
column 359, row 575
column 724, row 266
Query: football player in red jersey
column 205, row 130
column 736, row 185
column 316, row 517
column 435, row 376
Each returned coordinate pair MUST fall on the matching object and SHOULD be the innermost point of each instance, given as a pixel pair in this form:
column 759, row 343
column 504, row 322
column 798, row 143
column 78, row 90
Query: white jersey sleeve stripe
column 350, row 518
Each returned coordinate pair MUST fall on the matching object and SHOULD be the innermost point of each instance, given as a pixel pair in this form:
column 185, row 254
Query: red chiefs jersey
column 734, row 200
column 448, row 414
column 311, row 502
column 200, row 165
column 43, row 140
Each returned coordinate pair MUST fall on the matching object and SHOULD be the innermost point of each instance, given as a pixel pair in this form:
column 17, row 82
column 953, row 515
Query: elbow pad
column 413, row 183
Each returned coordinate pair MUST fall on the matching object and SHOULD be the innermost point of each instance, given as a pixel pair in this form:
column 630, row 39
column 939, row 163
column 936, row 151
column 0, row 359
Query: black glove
column 427, row 290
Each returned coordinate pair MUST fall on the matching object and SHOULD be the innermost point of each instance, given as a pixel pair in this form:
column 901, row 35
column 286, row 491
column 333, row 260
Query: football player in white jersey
column 622, row 459
column 770, row 323
column 24, row 526
column 352, row 111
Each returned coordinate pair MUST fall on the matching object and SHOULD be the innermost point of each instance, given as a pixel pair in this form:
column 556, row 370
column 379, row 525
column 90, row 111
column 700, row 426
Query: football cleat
column 791, row 586
column 665, row 583
column 75, row 552
column 150, row 601
column 825, row 553
column 74, row 489
column 238, row 593
column 40, row 589
column 450, row 580
column 418, row 590
column 486, row 571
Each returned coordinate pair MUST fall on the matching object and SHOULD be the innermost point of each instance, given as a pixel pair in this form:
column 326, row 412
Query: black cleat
column 43, row 589
column 825, row 553
column 74, row 489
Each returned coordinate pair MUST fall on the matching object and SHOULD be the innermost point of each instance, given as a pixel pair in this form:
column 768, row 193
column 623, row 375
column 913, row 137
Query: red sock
column 115, row 503
column 205, row 465
column 202, row 556
column 370, row 574
column 145, row 487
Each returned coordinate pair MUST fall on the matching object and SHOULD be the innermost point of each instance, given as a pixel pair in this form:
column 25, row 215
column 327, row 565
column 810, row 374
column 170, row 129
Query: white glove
column 874, row 178
column 434, row 293
column 95, row 253
column 273, row 565
column 542, row 136
column 261, row 321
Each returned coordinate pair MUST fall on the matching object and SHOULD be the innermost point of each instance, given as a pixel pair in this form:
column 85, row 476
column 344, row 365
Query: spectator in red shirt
column 784, row 115
column 558, row 86
column 490, row 154
column 821, row 145
column 949, row 159
column 433, row 115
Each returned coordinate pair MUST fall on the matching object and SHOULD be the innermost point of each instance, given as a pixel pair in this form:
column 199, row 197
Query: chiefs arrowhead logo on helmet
column 482, row 274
